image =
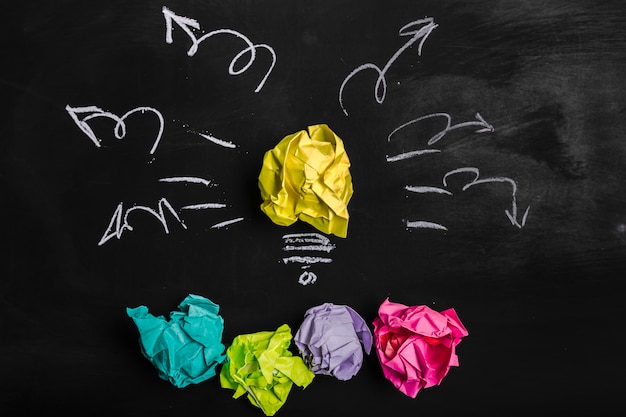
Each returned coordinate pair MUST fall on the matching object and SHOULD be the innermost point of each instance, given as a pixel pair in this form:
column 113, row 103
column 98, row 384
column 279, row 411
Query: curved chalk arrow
column 480, row 122
column 418, row 29
column 512, row 215
column 119, row 221
column 187, row 24
column 91, row 112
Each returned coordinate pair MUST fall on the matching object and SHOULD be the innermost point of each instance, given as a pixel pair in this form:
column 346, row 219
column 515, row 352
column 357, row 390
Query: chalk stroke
column 411, row 154
column 307, row 260
column 119, row 221
column 307, row 238
column 512, row 214
column 203, row 206
column 480, row 123
column 82, row 115
column 419, row 30
column 318, row 242
column 217, row 141
column 420, row 224
column 226, row 223
column 188, row 24
column 307, row 242
column 193, row 180
column 319, row 248
column 426, row 189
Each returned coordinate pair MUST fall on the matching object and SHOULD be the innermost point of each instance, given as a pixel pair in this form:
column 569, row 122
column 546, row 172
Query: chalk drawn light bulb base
column 307, row 278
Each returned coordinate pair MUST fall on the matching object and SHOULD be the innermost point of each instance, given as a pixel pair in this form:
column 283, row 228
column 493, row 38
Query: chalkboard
column 488, row 158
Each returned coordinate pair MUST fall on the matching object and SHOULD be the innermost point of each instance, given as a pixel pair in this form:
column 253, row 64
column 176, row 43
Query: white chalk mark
column 203, row 206
column 426, row 26
column 115, row 228
column 93, row 112
column 307, row 278
column 192, row 180
column 226, row 223
column 426, row 189
column 307, row 242
column 185, row 23
column 306, row 238
column 217, row 141
column 484, row 127
column 512, row 214
column 307, row 259
column 411, row 154
column 318, row 248
column 420, row 224
column 313, row 242
column 188, row 24
column 119, row 223
column 163, row 203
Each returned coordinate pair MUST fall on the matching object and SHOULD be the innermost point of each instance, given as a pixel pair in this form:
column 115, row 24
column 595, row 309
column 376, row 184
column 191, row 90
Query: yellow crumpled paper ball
column 307, row 177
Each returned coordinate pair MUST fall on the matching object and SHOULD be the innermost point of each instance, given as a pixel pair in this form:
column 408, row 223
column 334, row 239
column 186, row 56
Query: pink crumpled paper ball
column 415, row 345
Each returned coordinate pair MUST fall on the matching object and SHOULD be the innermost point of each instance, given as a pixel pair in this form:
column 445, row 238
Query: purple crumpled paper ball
column 331, row 340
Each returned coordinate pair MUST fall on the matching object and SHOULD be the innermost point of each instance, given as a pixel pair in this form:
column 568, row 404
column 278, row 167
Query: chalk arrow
column 119, row 221
column 249, row 51
column 486, row 127
column 185, row 24
column 513, row 216
column 82, row 115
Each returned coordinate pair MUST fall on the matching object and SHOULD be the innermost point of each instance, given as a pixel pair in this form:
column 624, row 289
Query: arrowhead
column 185, row 23
column 82, row 124
column 416, row 27
column 487, row 126
column 115, row 228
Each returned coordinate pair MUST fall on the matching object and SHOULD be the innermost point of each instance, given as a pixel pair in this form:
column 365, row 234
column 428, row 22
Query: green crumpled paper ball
column 261, row 366
column 187, row 348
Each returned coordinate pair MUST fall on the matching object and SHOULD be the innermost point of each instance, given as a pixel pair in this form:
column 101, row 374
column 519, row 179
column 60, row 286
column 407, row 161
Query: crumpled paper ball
column 307, row 177
column 187, row 348
column 331, row 339
column 416, row 345
column 261, row 366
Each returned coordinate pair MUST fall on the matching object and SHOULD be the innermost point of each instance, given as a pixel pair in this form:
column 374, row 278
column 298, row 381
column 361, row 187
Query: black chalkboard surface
column 488, row 157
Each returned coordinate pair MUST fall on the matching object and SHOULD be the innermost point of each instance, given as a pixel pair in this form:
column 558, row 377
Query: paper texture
column 261, row 366
column 332, row 338
column 307, row 177
column 416, row 346
column 187, row 348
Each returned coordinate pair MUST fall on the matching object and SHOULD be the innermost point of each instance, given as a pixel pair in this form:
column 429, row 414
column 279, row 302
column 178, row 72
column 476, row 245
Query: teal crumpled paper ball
column 187, row 348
